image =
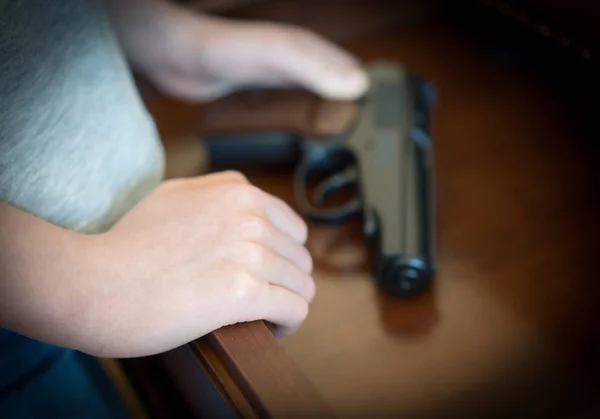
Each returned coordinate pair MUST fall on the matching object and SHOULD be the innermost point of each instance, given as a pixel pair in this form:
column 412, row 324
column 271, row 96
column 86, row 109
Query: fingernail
column 345, row 85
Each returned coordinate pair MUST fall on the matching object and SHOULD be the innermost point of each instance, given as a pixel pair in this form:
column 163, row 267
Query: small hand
column 196, row 255
column 196, row 57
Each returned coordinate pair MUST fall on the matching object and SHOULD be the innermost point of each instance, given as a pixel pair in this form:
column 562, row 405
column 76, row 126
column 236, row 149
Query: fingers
column 285, row 310
column 289, row 250
column 251, row 198
column 238, row 54
column 267, row 266
column 268, row 247
column 320, row 66
column 257, row 230
column 284, row 218
column 276, row 211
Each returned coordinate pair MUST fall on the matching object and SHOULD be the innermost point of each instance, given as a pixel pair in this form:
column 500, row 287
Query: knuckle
column 256, row 255
column 246, row 195
column 235, row 176
column 255, row 227
column 244, row 288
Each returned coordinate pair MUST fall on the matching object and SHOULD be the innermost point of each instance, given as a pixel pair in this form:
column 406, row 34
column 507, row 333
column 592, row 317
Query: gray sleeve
column 77, row 146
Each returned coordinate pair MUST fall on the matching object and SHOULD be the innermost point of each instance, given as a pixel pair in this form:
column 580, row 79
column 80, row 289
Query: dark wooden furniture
column 511, row 327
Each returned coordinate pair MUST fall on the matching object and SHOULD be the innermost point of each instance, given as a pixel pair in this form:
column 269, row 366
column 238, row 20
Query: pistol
column 385, row 160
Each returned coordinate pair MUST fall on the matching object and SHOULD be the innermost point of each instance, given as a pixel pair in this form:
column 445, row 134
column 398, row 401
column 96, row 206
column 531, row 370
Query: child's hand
column 197, row 57
column 196, row 255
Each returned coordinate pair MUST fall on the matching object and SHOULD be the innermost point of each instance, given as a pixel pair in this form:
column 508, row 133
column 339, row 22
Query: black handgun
column 385, row 157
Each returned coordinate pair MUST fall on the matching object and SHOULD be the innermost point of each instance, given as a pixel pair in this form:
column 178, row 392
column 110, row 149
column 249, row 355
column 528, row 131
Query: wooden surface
column 511, row 327
column 257, row 376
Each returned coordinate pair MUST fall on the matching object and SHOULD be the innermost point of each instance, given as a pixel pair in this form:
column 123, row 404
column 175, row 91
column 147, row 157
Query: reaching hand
column 198, row 58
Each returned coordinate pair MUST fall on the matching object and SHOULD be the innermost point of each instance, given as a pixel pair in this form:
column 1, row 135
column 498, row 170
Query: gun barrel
column 251, row 150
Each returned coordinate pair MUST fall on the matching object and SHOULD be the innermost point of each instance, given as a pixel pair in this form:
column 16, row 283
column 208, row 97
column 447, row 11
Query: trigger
column 323, row 190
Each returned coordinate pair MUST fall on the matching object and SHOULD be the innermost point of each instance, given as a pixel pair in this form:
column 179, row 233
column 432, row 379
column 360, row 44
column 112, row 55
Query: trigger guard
column 349, row 210
column 348, row 177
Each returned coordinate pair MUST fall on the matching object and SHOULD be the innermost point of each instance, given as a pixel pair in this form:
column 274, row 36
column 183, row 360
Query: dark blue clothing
column 42, row 381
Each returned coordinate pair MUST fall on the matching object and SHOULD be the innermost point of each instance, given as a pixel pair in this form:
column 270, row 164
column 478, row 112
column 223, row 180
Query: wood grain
column 258, row 376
